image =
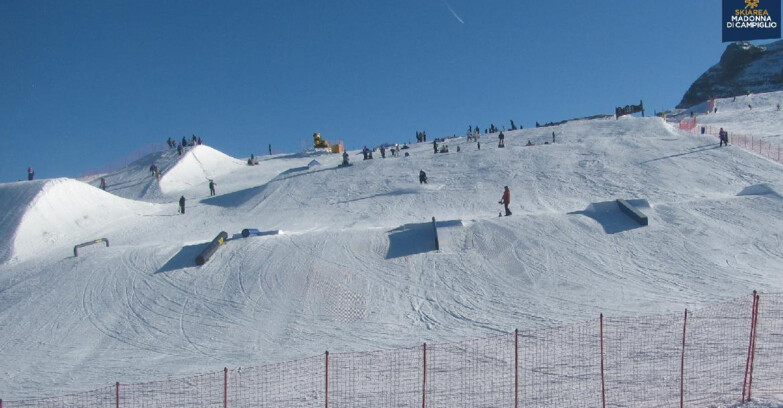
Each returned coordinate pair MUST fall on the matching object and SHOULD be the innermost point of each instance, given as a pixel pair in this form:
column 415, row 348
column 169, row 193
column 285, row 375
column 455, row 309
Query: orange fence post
column 682, row 361
column 326, row 380
column 601, row 341
column 424, row 381
column 516, row 368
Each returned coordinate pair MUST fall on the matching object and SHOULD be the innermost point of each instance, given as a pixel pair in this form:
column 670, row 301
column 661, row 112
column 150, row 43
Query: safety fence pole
column 682, row 361
column 326, row 379
column 424, row 379
column 225, row 387
column 601, row 342
column 753, row 352
column 516, row 368
column 751, row 342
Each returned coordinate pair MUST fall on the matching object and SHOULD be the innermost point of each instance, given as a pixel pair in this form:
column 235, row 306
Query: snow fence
column 717, row 356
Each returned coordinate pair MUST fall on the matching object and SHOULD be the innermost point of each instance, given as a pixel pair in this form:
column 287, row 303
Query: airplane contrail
column 453, row 12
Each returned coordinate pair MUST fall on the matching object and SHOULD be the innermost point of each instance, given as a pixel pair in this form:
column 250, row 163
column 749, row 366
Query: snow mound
column 47, row 213
column 759, row 189
column 197, row 166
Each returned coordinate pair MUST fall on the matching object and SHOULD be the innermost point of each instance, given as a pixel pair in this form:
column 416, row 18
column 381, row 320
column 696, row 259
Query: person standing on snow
column 506, row 200
column 30, row 173
column 103, row 184
column 212, row 185
column 724, row 138
column 501, row 138
column 422, row 177
column 182, row 205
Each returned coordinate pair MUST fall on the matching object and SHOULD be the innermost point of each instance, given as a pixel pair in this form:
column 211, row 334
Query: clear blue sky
column 84, row 83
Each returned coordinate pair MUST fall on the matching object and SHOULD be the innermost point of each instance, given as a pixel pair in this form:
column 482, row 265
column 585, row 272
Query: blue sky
column 85, row 83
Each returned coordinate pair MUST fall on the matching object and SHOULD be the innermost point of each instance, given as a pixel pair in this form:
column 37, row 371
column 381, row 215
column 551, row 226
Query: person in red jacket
column 506, row 200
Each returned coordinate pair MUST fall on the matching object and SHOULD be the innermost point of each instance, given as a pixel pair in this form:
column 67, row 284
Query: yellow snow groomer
column 318, row 142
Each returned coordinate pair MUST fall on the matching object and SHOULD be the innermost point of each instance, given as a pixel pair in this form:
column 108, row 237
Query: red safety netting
column 721, row 355
column 292, row 384
column 475, row 373
column 560, row 366
column 387, row 378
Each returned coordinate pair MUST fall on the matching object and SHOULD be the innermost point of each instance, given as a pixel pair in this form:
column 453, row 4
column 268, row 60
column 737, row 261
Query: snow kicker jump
column 75, row 248
column 210, row 250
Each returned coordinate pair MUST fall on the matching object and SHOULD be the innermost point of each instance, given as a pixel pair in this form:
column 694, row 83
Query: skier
column 383, row 152
column 422, row 177
column 30, row 173
column 435, row 146
column 506, row 200
column 553, row 137
column 212, row 185
column 103, row 184
column 179, row 149
column 501, row 138
column 182, row 204
column 478, row 144
column 724, row 138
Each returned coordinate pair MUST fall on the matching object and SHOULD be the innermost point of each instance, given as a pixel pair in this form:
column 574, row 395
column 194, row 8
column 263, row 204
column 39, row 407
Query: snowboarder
column 501, row 137
column 182, row 204
column 30, row 173
column 724, row 138
column 212, row 185
column 478, row 144
column 435, row 146
column 383, row 152
column 345, row 159
column 422, row 177
column 506, row 200
column 553, row 137
column 179, row 149
column 103, row 184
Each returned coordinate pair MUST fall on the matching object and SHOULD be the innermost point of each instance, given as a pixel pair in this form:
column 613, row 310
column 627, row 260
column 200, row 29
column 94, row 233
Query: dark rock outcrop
column 743, row 68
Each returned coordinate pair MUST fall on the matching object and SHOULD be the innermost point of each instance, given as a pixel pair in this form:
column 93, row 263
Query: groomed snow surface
column 353, row 267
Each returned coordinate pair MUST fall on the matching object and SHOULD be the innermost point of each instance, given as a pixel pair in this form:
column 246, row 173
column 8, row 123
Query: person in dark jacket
column 182, row 205
column 103, row 184
column 506, row 200
column 212, row 185
column 30, row 173
column 501, row 141
column 422, row 177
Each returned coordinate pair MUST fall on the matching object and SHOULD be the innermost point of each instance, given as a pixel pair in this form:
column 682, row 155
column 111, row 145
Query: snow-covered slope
column 47, row 214
column 355, row 266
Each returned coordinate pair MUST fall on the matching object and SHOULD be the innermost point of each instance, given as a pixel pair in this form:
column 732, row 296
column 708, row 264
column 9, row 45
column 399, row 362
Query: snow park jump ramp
column 44, row 214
